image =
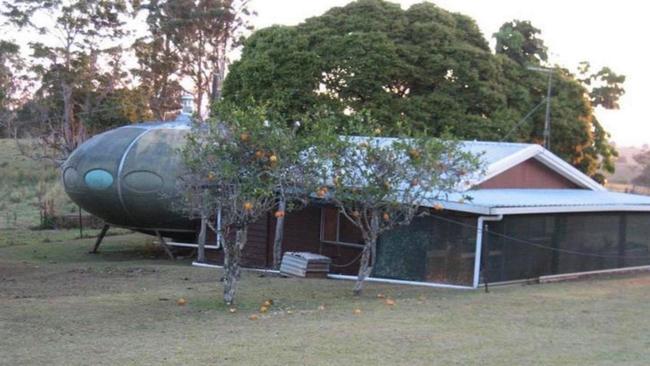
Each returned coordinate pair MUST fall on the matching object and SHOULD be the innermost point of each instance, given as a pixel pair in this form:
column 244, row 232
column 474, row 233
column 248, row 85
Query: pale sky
column 605, row 33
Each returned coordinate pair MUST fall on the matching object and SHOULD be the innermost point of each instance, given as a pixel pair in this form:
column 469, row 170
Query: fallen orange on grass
column 181, row 302
column 389, row 302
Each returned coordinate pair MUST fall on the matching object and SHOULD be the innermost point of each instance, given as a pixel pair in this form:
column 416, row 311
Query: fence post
column 81, row 226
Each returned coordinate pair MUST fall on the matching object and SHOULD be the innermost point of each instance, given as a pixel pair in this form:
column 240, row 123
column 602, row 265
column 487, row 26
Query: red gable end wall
column 529, row 174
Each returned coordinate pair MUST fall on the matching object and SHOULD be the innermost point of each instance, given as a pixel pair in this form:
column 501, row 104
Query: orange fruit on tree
column 414, row 153
column 279, row 214
column 248, row 206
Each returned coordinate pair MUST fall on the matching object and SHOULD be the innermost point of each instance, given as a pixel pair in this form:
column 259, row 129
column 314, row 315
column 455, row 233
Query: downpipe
column 479, row 245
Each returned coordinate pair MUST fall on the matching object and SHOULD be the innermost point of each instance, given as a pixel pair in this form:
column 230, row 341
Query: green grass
column 62, row 306
column 22, row 180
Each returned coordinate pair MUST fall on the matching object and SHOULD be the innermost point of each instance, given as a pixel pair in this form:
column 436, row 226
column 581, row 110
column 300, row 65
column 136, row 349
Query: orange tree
column 245, row 166
column 380, row 183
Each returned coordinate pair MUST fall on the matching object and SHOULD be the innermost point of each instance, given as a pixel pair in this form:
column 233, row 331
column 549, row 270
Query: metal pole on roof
column 547, row 117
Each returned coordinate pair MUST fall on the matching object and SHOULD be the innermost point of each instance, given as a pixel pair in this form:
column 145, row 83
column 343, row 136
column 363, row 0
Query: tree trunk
column 200, row 256
column 68, row 116
column 369, row 253
column 279, row 235
column 232, row 270
column 365, row 268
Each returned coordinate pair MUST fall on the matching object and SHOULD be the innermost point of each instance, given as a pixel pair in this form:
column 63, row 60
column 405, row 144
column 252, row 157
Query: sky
column 605, row 33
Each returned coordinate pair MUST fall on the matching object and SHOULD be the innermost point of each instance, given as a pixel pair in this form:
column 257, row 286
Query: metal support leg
column 165, row 246
column 100, row 237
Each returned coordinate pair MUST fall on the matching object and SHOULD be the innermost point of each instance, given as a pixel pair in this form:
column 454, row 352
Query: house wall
column 440, row 248
column 302, row 233
column 529, row 174
column 255, row 252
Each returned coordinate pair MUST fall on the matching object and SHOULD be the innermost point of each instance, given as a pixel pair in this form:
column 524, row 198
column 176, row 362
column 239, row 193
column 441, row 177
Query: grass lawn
column 22, row 181
column 60, row 305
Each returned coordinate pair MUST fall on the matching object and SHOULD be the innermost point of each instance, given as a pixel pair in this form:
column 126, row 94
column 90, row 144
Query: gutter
column 479, row 245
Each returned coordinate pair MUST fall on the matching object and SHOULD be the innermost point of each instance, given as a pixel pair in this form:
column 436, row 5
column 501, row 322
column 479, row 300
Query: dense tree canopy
column 188, row 39
column 10, row 64
column 426, row 69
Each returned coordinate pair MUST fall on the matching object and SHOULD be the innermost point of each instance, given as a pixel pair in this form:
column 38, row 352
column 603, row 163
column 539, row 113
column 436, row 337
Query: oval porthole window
column 98, row 179
column 143, row 181
column 70, row 178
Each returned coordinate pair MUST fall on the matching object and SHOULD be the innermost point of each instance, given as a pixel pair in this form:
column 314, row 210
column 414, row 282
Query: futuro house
column 128, row 177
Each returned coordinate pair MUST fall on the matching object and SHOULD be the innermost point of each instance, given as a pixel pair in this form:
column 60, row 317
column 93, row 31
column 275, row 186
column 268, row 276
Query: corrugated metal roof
column 498, row 157
column 511, row 201
column 491, row 152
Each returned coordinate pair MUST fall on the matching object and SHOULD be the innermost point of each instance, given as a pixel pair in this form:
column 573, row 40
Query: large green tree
column 423, row 67
column 11, row 64
column 428, row 70
column 78, row 53
column 576, row 134
column 188, row 39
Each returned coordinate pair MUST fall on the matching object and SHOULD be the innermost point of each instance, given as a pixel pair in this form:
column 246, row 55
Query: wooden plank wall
column 529, row 174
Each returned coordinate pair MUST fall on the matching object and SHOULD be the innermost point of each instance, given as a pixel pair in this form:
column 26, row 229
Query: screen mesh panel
column 529, row 246
column 429, row 250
